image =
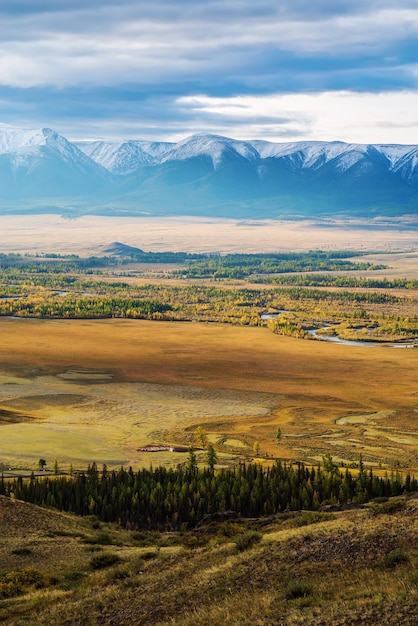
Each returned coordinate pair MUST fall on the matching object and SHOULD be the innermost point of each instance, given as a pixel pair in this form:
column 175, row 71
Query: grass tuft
column 104, row 560
column 298, row 590
column 395, row 558
column 247, row 540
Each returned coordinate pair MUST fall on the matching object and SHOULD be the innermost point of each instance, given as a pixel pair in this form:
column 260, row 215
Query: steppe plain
column 98, row 390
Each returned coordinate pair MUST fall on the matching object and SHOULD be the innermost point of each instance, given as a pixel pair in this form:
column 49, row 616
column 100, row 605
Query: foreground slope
column 358, row 566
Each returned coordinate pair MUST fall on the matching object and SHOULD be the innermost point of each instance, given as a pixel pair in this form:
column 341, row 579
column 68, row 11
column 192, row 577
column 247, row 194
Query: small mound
column 121, row 250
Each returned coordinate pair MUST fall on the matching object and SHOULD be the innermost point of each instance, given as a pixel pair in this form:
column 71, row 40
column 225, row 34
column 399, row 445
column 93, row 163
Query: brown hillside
column 353, row 567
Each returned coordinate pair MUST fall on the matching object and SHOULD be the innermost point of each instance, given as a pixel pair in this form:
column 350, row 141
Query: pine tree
column 191, row 465
column 211, row 456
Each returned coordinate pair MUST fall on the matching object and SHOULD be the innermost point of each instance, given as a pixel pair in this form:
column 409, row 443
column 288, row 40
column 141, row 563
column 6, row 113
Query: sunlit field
column 90, row 235
column 78, row 391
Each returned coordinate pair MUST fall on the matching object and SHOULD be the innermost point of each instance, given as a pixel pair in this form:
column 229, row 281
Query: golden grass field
column 79, row 391
column 82, row 391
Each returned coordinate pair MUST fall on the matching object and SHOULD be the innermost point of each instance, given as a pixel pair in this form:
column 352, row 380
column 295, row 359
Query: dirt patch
column 49, row 399
column 364, row 419
column 14, row 417
column 87, row 376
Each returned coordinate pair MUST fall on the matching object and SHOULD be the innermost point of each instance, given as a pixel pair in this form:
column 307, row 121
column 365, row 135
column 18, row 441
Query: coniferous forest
column 177, row 499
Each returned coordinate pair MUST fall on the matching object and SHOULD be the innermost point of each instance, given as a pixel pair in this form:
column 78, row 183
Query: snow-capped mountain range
column 205, row 174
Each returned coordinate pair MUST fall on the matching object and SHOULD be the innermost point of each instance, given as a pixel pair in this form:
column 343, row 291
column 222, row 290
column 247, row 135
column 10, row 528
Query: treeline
column 198, row 265
column 87, row 308
column 176, row 499
column 57, row 263
column 329, row 280
column 54, row 264
column 239, row 266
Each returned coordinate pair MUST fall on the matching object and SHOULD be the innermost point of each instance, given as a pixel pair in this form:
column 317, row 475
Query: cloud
column 367, row 117
column 116, row 66
column 327, row 116
column 103, row 43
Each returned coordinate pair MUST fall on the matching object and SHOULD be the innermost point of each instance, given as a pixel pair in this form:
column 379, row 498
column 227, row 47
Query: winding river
column 364, row 344
column 316, row 332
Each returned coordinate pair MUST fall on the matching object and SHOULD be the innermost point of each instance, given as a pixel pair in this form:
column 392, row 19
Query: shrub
column 298, row 590
column 104, row 560
column 230, row 529
column 144, row 538
column 118, row 574
column 26, row 576
column 9, row 590
column 101, row 539
column 247, row 540
column 94, row 521
column 93, row 548
column 74, row 576
column 13, row 583
column 388, row 507
column 73, row 579
column 395, row 558
column 312, row 517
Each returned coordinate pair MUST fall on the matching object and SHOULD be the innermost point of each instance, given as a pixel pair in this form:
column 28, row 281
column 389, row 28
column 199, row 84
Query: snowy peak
column 220, row 150
column 126, row 157
column 406, row 165
column 18, row 141
column 312, row 155
column 117, row 158
column 207, row 175
column 41, row 163
column 123, row 157
column 14, row 139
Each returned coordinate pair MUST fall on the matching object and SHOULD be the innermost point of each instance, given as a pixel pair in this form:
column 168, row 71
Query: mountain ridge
column 206, row 174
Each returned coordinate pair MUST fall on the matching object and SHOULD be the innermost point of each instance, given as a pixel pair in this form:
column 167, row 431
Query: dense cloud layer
column 107, row 66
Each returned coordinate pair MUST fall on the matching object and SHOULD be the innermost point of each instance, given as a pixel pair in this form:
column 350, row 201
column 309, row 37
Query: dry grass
column 332, row 572
column 84, row 390
column 98, row 390
column 91, row 235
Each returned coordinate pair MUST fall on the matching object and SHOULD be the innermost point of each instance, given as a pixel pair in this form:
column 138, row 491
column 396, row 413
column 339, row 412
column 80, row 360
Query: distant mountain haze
column 211, row 175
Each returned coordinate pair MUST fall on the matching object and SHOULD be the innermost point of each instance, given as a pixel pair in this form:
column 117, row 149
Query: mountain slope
column 206, row 175
column 41, row 163
column 125, row 157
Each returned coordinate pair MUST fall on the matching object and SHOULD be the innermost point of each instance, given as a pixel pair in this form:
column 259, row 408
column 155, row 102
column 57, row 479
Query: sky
column 279, row 70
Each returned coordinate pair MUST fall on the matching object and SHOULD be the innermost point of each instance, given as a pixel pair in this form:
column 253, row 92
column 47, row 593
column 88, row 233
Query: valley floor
column 98, row 390
column 89, row 235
